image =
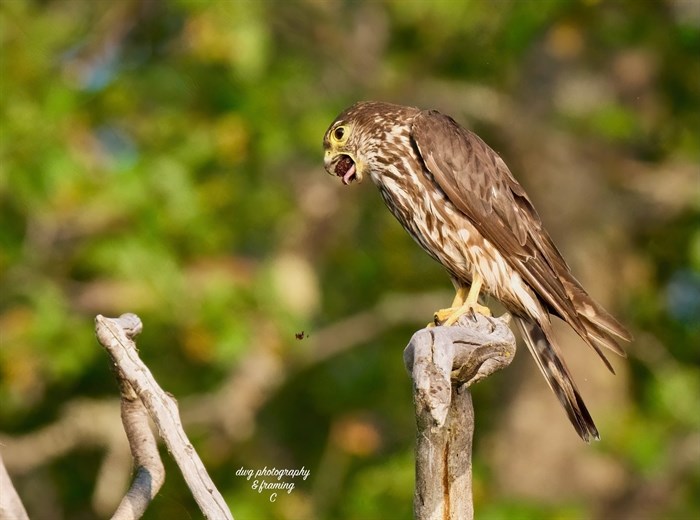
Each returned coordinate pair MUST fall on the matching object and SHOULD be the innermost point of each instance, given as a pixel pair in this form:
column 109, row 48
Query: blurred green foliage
column 164, row 158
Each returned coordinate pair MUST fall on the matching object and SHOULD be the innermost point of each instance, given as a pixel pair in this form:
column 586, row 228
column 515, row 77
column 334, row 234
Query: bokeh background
column 164, row 158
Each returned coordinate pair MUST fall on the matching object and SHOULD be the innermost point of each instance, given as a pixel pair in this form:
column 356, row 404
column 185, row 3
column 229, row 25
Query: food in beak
column 345, row 169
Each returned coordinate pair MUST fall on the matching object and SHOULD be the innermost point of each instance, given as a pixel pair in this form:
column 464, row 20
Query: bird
column 459, row 201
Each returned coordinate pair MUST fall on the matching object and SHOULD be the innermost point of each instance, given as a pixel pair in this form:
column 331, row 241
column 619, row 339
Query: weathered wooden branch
column 138, row 384
column 444, row 362
column 11, row 507
column 150, row 473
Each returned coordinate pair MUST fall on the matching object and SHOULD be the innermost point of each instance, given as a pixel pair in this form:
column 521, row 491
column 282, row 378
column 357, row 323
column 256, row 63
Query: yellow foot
column 450, row 316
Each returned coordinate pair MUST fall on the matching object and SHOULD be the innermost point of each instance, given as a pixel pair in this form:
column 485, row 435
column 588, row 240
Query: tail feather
column 552, row 366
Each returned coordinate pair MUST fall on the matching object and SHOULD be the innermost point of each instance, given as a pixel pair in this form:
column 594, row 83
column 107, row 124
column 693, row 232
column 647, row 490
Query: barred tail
column 552, row 366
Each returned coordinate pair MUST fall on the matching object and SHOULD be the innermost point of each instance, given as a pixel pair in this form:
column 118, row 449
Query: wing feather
column 480, row 185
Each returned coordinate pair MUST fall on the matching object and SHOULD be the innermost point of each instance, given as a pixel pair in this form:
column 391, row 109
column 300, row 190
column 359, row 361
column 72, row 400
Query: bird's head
column 355, row 139
column 343, row 155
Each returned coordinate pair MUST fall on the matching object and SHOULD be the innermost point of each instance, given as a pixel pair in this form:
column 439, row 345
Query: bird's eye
column 339, row 133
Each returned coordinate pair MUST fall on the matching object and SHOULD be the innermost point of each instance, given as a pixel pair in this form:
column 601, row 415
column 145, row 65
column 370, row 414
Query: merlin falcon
column 457, row 198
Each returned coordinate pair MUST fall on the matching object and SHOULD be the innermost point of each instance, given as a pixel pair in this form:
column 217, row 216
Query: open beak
column 343, row 166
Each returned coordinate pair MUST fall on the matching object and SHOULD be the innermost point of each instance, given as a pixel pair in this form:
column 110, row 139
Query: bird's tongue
column 349, row 175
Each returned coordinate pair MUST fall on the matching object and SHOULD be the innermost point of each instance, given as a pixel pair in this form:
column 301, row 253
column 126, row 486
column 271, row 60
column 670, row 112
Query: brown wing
column 478, row 183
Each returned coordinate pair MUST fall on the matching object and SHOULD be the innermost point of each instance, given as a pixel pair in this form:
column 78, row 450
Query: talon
column 443, row 315
column 451, row 315
column 468, row 308
column 465, row 302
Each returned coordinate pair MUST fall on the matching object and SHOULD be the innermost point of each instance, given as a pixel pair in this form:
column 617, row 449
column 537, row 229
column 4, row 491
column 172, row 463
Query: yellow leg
column 460, row 297
column 474, row 290
column 463, row 304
